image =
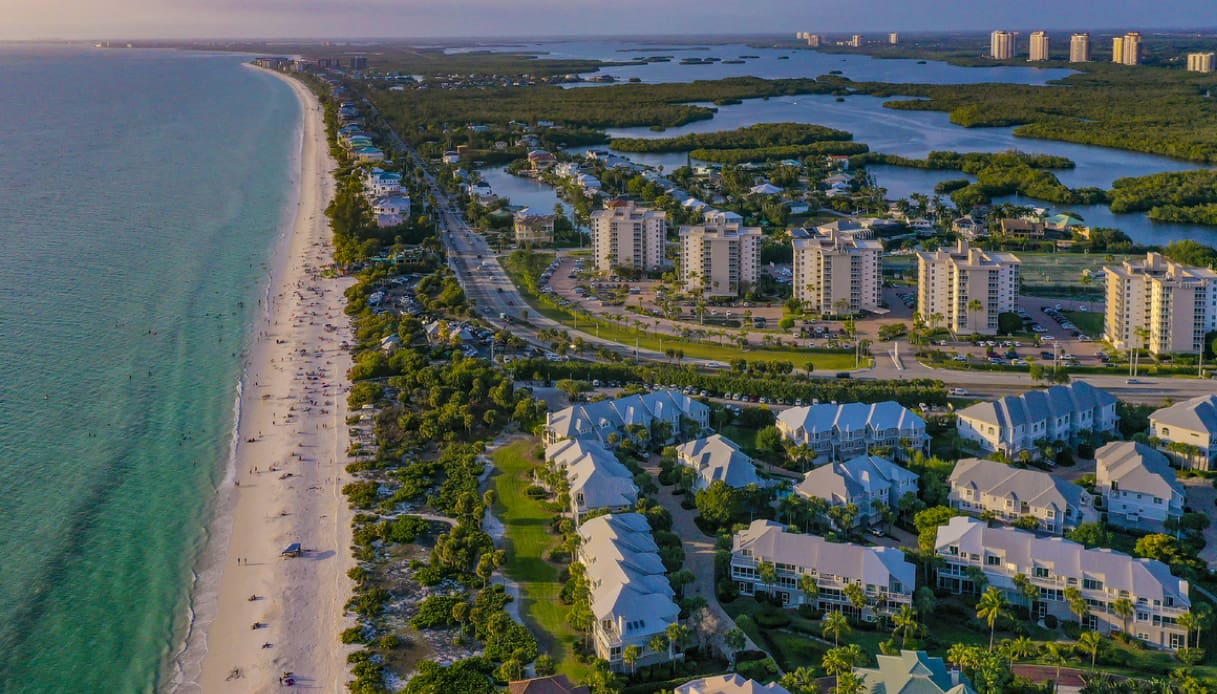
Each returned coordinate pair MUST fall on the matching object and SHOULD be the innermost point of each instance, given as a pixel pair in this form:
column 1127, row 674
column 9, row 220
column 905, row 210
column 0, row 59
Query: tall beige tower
column 625, row 235
column 1002, row 45
column 893, row 38
column 1039, row 46
column 1079, row 48
column 1117, row 49
column 836, row 273
column 1201, row 62
column 965, row 289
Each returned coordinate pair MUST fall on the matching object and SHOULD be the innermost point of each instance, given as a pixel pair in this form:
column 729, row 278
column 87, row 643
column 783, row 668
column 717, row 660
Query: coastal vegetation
column 750, row 137
column 1170, row 196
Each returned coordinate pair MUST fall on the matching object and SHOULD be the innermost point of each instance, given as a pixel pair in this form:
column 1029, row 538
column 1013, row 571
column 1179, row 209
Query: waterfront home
column 379, row 182
column 1138, row 486
column 733, row 683
column 368, row 154
column 1188, row 431
column 839, row 432
column 539, row 159
column 968, row 227
column 1063, row 223
column 636, row 605
column 1022, row 228
column 1008, row 494
column 722, row 217
column 1017, row 422
column 867, row 481
column 1053, row 564
column 531, row 228
column 912, row 672
column 717, row 458
column 886, row 577
column 391, row 210
column 450, row 157
column 608, row 421
column 765, row 189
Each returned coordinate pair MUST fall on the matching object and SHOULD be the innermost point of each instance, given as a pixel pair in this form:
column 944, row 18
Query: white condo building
column 950, row 280
column 1039, row 46
column 1016, row 422
column 836, row 273
column 719, row 259
column 1079, row 48
column 1201, row 62
column 1002, row 45
column 1176, row 304
column 1139, row 488
column 625, row 235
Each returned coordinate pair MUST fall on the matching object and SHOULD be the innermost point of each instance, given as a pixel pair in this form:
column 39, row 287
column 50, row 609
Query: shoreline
column 282, row 480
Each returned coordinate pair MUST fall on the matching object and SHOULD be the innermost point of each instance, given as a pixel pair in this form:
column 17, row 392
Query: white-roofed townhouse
column 717, row 458
column 1138, row 486
column 1009, row 494
column 885, row 576
column 1016, row 422
column 866, row 481
column 1054, row 564
column 838, row 432
column 679, row 414
column 1188, row 431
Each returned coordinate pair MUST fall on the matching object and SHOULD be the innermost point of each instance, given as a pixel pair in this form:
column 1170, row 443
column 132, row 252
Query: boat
column 293, row 550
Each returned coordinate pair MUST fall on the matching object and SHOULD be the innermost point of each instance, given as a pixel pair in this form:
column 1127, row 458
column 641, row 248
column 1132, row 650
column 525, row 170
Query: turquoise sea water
column 141, row 194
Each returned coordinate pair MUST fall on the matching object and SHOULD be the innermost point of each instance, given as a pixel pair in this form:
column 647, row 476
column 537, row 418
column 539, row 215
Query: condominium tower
column 625, row 235
column 855, row 41
column 719, row 260
column 1039, row 46
column 1079, row 48
column 1160, row 304
column 1002, row 45
column 836, row 273
column 1126, row 49
column 893, row 38
column 966, row 288
column 1201, row 62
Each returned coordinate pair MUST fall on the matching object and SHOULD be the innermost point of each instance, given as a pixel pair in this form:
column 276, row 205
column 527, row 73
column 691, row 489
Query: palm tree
column 1026, row 588
column 676, row 633
column 838, row 661
column 856, row 596
column 1055, row 654
column 992, row 606
column 1187, row 621
column 768, row 573
column 1204, row 615
column 1123, row 608
column 1090, row 642
column 906, row 625
column 1142, row 341
column 809, row 588
column 848, row 683
column 1020, row 648
column 658, row 644
column 630, row 655
column 974, row 306
column 835, row 626
column 1077, row 603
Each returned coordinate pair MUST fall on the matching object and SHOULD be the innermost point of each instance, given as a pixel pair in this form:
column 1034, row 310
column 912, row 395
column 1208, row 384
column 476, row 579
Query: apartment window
column 1040, row 572
column 992, row 560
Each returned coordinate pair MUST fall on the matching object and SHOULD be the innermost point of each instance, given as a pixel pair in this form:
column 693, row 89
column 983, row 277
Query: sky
column 147, row 19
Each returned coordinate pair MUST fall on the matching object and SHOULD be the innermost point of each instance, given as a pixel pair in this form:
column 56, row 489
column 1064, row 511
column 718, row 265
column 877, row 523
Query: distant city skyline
column 170, row 19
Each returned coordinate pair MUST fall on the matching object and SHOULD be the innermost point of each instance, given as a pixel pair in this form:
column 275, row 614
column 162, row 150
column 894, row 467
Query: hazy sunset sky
column 30, row 19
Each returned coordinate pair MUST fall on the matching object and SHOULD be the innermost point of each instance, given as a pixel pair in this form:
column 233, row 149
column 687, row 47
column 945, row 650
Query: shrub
column 435, row 611
column 354, row 635
column 536, row 491
column 773, row 619
column 1190, row 656
column 1051, row 621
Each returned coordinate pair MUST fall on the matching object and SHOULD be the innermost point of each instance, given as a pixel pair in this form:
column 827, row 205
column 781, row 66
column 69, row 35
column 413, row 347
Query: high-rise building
column 855, row 41
column 1201, row 62
column 1079, row 48
column 1159, row 304
column 1039, row 46
column 720, row 259
column 1126, row 49
column 813, row 40
column 893, row 38
column 625, row 235
column 836, row 273
column 966, row 288
column 1002, row 45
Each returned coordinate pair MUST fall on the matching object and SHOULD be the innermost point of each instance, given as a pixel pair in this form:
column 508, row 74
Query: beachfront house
column 840, row 432
column 1008, row 494
column 1138, row 486
column 631, row 598
column 912, row 672
column 596, row 479
column 668, row 415
column 733, row 683
column 1054, row 564
column 868, row 482
column 886, row 577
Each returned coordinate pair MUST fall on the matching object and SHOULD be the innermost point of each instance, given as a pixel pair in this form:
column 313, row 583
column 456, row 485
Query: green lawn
column 526, row 523
column 1089, row 322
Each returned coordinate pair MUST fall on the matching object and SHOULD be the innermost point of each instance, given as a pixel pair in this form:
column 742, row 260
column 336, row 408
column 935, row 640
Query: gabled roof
column 1197, row 414
column 863, row 475
column 1031, row 487
column 1136, row 467
column 1143, row 578
column 1037, row 405
column 854, row 416
column 733, row 683
column 603, row 483
column 611, row 415
column 912, row 672
column 719, row 458
column 770, row 542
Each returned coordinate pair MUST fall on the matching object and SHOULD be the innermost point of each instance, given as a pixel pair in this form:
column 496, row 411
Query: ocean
column 141, row 195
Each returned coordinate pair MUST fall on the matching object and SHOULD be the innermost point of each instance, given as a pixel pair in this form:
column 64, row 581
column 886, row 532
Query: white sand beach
column 286, row 487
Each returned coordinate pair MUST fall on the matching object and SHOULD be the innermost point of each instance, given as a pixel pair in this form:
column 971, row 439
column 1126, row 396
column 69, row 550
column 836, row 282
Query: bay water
column 141, row 195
